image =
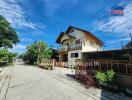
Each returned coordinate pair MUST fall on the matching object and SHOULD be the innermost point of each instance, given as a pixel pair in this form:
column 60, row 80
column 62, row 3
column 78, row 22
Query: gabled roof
column 86, row 32
column 61, row 35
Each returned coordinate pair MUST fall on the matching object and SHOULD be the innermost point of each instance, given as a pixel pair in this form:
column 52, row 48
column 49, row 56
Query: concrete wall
column 86, row 47
column 72, row 60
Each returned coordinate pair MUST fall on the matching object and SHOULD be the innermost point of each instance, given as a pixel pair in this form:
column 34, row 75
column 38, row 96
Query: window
column 74, row 55
column 67, row 44
column 92, row 43
column 78, row 41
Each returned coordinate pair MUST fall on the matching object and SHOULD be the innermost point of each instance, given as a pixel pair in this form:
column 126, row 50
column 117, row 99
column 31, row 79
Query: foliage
column 84, row 76
column 105, row 77
column 101, row 77
column 8, row 35
column 5, row 55
column 110, row 75
column 35, row 52
column 48, row 53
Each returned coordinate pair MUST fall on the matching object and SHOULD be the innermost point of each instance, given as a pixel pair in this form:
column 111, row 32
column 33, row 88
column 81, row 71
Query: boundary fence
column 119, row 66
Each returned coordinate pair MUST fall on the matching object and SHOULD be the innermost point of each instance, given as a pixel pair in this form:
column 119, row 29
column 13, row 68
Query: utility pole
column 131, row 36
column 122, row 44
column 39, row 48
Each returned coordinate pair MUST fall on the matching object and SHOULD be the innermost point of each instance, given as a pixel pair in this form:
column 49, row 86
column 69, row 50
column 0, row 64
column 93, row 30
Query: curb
column 4, row 84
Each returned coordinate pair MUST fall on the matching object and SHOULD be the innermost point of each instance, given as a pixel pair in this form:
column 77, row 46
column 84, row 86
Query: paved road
column 32, row 83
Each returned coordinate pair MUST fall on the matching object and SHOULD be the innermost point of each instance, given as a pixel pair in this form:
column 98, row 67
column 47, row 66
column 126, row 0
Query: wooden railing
column 60, row 64
column 63, row 49
column 121, row 67
column 52, row 62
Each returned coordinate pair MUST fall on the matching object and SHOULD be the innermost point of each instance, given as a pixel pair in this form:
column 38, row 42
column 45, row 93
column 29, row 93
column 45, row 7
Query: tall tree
column 36, row 51
column 8, row 35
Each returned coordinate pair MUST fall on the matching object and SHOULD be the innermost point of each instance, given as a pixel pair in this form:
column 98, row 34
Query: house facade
column 74, row 42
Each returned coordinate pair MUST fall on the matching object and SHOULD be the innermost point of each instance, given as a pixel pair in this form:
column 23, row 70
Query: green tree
column 8, row 35
column 6, row 56
column 36, row 51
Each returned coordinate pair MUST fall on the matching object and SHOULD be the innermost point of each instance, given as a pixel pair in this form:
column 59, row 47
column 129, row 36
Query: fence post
column 126, row 69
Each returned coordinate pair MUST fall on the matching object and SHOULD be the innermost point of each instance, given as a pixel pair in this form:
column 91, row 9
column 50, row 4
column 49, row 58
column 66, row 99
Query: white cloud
column 25, row 39
column 13, row 12
column 118, row 40
column 120, row 25
column 20, row 48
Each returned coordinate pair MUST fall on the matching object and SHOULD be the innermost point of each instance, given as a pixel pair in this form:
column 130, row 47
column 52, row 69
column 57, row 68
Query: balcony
column 62, row 49
column 75, row 47
column 70, row 48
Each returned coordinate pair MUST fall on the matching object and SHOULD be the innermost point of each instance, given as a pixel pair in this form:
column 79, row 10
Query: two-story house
column 74, row 42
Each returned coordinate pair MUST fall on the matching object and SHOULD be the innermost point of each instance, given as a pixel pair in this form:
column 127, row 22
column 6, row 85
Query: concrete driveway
column 32, row 83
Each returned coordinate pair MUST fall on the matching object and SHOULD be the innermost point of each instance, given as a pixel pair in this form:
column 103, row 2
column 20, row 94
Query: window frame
column 75, row 55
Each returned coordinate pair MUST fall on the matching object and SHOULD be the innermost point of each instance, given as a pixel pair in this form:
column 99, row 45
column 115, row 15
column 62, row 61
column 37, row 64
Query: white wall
column 86, row 47
column 64, row 38
column 78, row 34
column 72, row 60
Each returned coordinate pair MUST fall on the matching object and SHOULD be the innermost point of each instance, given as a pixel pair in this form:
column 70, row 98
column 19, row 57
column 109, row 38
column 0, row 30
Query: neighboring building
column 74, row 42
column 117, row 54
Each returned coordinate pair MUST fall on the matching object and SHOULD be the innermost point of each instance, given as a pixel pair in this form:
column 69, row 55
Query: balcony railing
column 63, row 49
column 75, row 47
column 70, row 48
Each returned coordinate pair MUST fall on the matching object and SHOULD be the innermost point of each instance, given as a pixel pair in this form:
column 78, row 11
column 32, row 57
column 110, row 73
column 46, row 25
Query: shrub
column 84, row 76
column 88, row 80
column 101, row 77
column 110, row 74
column 106, row 77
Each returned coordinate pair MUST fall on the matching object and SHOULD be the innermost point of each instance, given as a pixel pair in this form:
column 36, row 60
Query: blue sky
column 44, row 20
